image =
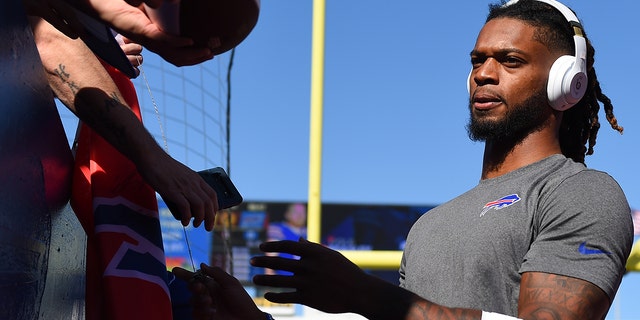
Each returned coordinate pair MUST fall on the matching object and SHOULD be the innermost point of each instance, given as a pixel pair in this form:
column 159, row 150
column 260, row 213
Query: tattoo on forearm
column 117, row 129
column 559, row 297
column 112, row 101
column 421, row 310
column 65, row 77
column 61, row 72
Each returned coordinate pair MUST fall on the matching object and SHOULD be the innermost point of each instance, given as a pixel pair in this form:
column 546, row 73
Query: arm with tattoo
column 80, row 81
column 543, row 296
column 550, row 296
column 324, row 279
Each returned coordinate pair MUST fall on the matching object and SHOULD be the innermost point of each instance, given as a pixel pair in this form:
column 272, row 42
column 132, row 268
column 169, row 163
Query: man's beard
column 518, row 122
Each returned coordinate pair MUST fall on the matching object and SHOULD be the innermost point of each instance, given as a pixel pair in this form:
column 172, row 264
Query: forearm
column 111, row 118
column 326, row 280
column 81, row 83
column 422, row 309
column 387, row 301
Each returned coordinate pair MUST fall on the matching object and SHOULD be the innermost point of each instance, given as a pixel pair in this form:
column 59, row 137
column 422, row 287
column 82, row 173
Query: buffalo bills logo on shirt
column 503, row 202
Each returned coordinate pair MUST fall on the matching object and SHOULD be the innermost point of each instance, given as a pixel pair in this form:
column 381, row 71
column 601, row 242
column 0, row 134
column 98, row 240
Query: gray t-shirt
column 554, row 216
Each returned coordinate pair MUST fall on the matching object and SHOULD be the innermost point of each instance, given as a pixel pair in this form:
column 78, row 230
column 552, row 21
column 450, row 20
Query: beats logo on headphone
column 568, row 81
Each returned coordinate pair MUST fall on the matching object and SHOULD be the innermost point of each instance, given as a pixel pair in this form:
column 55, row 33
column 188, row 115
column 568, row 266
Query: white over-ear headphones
column 568, row 81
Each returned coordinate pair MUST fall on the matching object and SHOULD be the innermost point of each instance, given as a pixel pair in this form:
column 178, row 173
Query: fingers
column 276, row 263
column 279, row 281
column 299, row 248
column 203, row 203
column 220, row 276
column 284, row 297
column 136, row 61
column 182, row 273
column 133, row 23
column 197, row 202
column 197, row 284
column 125, row 39
column 204, row 206
column 216, row 275
column 131, row 49
column 179, row 51
column 185, row 56
column 180, row 208
column 210, row 205
column 181, row 56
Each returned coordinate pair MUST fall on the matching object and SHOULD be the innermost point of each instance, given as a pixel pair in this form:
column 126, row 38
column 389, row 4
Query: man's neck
column 501, row 158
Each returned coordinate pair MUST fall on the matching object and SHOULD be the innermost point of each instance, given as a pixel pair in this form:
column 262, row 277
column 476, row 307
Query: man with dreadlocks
column 540, row 236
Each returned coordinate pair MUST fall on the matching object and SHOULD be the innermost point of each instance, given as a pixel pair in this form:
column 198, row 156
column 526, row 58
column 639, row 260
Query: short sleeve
column 582, row 229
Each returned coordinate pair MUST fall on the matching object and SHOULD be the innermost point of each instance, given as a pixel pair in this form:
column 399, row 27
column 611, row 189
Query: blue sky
column 395, row 103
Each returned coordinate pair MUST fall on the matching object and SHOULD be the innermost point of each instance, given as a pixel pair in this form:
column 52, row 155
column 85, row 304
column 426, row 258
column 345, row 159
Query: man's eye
column 476, row 62
column 512, row 61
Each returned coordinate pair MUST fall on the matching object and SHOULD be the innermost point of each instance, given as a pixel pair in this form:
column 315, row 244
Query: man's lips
column 485, row 101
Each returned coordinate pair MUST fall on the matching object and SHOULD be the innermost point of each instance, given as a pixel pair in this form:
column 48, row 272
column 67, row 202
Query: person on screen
column 292, row 227
column 541, row 236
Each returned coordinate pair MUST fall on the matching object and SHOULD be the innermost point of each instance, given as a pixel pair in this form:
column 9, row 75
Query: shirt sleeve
column 582, row 229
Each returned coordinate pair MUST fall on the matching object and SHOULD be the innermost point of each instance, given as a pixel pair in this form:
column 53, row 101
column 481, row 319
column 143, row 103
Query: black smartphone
column 217, row 178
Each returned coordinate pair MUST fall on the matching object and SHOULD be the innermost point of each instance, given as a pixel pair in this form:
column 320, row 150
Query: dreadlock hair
column 580, row 124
